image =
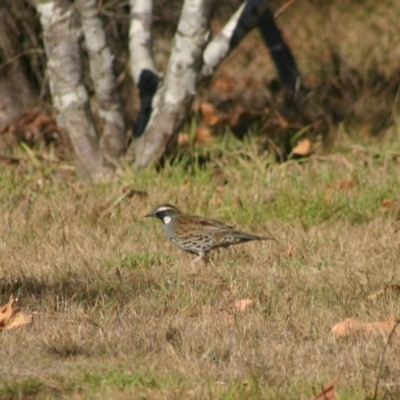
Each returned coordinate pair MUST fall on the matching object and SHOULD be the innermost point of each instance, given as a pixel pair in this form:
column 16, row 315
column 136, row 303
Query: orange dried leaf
column 344, row 185
column 230, row 320
column 11, row 317
column 303, row 148
column 328, row 392
column 216, row 201
column 223, row 85
column 352, row 326
column 388, row 203
column 243, row 304
column 203, row 134
column 20, row 319
column 6, row 313
column 183, row 139
column 289, row 251
column 236, row 115
column 209, row 114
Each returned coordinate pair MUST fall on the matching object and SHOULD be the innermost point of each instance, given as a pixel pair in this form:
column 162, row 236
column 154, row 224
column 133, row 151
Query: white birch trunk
column 140, row 38
column 143, row 70
column 172, row 102
column 241, row 22
column 65, row 77
column 101, row 71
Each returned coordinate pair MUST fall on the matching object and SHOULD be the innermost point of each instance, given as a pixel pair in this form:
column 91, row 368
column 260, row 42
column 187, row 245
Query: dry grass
column 120, row 313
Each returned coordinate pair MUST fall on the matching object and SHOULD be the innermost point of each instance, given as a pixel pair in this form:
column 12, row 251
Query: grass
column 121, row 313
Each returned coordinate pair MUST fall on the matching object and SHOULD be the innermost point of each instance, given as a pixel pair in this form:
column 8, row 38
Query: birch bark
column 101, row 71
column 143, row 70
column 174, row 97
column 242, row 21
column 65, row 77
column 252, row 14
column 140, row 38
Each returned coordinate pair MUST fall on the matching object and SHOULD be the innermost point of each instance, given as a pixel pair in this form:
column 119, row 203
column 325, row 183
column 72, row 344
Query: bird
column 196, row 234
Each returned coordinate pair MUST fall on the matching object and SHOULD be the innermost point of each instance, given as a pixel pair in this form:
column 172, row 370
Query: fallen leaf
column 216, row 201
column 209, row 114
column 239, row 120
column 12, row 317
column 241, row 305
column 9, row 160
column 392, row 287
column 223, row 85
column 230, row 320
column 328, row 392
column 186, row 184
column 289, row 251
column 19, row 319
column 388, row 203
column 352, row 326
column 343, row 185
column 31, row 126
column 183, row 139
column 203, row 134
column 303, row 148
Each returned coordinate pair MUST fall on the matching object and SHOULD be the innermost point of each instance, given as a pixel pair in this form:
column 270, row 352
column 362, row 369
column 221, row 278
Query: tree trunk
column 242, row 21
column 143, row 70
column 101, row 71
column 172, row 101
column 281, row 54
column 65, row 77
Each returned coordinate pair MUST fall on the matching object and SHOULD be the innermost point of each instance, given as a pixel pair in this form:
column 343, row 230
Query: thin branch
column 278, row 13
column 14, row 58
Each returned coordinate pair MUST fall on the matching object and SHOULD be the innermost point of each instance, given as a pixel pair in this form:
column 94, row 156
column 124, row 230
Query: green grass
column 121, row 383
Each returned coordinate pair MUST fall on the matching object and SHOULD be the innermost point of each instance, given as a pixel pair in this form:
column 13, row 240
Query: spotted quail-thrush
column 196, row 234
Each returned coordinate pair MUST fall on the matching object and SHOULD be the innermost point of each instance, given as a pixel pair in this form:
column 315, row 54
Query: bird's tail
column 248, row 236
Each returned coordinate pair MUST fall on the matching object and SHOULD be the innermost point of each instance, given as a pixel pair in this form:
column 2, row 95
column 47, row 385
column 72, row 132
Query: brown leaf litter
column 12, row 317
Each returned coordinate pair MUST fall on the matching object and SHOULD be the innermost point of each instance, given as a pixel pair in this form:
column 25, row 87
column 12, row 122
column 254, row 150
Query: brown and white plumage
column 197, row 234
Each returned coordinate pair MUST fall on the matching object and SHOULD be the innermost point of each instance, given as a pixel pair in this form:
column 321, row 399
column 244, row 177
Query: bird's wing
column 208, row 223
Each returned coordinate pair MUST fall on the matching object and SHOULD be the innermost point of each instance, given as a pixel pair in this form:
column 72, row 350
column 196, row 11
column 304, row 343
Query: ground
column 119, row 312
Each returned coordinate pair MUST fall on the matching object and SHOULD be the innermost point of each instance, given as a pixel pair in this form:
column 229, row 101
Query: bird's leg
column 202, row 257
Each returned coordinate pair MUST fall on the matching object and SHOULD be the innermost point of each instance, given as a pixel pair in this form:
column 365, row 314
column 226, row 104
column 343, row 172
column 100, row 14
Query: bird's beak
column 149, row 215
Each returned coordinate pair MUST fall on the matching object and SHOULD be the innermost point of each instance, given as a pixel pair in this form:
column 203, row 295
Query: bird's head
column 164, row 212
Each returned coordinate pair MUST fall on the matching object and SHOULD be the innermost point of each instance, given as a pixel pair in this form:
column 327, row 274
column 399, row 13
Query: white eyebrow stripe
column 165, row 209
